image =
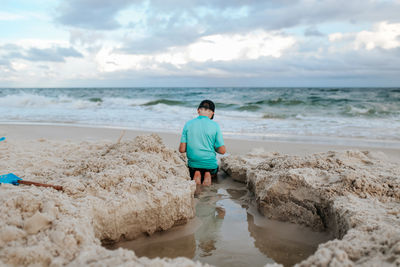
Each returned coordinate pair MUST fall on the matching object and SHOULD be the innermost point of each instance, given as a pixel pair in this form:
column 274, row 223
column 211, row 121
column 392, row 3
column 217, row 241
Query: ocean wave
column 96, row 99
column 219, row 105
column 26, row 100
column 355, row 112
column 273, row 116
column 250, row 107
column 165, row 102
column 363, row 111
column 277, row 101
column 122, row 102
column 332, row 90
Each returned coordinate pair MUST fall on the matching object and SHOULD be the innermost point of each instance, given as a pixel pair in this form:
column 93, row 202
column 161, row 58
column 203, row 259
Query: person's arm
column 219, row 142
column 182, row 147
column 221, row 150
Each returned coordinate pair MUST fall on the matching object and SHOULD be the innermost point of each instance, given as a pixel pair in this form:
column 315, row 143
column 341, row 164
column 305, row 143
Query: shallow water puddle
column 228, row 231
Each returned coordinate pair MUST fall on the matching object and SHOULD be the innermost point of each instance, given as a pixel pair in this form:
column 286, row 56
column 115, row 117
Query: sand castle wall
column 353, row 194
column 111, row 192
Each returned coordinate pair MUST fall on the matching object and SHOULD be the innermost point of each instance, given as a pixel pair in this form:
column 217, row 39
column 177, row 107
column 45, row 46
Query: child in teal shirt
column 201, row 139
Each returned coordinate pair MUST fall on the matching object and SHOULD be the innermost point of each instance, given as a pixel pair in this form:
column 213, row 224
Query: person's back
column 201, row 138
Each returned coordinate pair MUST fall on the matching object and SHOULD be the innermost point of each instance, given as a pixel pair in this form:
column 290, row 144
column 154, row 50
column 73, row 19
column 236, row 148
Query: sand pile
column 353, row 194
column 111, row 192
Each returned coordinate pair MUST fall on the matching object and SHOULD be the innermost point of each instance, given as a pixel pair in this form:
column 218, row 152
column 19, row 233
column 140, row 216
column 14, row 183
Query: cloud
column 4, row 62
column 91, row 14
column 313, row 31
column 4, row 16
column 85, row 37
column 214, row 14
column 213, row 41
column 351, row 68
column 161, row 40
column 154, row 26
column 102, row 14
column 228, row 61
column 170, row 25
column 34, row 54
column 211, row 48
column 383, row 35
column 54, row 54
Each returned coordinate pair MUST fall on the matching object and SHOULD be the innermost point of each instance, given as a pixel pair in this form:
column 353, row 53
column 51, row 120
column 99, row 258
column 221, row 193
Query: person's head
column 206, row 108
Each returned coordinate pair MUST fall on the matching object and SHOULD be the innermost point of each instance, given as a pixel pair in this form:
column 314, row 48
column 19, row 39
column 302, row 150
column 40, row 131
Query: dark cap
column 208, row 104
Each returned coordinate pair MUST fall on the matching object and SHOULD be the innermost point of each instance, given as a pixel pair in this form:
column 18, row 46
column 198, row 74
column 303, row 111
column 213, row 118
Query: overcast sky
column 87, row 43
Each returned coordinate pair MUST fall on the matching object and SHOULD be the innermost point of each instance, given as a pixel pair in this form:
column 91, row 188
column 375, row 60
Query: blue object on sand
column 2, row 139
column 10, row 178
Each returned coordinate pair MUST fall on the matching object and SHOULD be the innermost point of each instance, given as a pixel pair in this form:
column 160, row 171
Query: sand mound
column 111, row 192
column 353, row 194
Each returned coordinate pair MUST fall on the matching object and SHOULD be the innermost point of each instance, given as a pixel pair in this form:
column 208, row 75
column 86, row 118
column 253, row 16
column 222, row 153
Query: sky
column 167, row 43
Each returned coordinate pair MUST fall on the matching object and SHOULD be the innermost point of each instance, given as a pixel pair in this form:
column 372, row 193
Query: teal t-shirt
column 202, row 136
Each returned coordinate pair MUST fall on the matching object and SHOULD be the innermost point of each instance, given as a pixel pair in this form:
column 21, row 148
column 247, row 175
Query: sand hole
column 229, row 231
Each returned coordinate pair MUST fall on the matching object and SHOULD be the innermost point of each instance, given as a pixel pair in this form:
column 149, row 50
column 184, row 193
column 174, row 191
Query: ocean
column 347, row 116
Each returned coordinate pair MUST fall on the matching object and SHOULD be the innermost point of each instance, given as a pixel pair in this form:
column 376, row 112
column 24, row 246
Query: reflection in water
column 212, row 217
column 283, row 251
column 228, row 231
column 180, row 247
column 236, row 193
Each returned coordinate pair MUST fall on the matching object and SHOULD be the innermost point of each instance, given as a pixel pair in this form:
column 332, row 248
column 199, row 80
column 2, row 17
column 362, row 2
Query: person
column 201, row 139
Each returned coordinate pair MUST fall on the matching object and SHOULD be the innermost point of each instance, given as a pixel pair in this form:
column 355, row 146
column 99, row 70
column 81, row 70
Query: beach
column 235, row 146
column 288, row 110
column 119, row 185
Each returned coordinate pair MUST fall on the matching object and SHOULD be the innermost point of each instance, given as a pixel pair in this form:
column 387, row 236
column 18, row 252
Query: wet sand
column 234, row 146
column 229, row 231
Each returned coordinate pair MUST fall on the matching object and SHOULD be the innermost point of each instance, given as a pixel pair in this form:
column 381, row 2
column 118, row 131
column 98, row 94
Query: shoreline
column 234, row 146
column 257, row 137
